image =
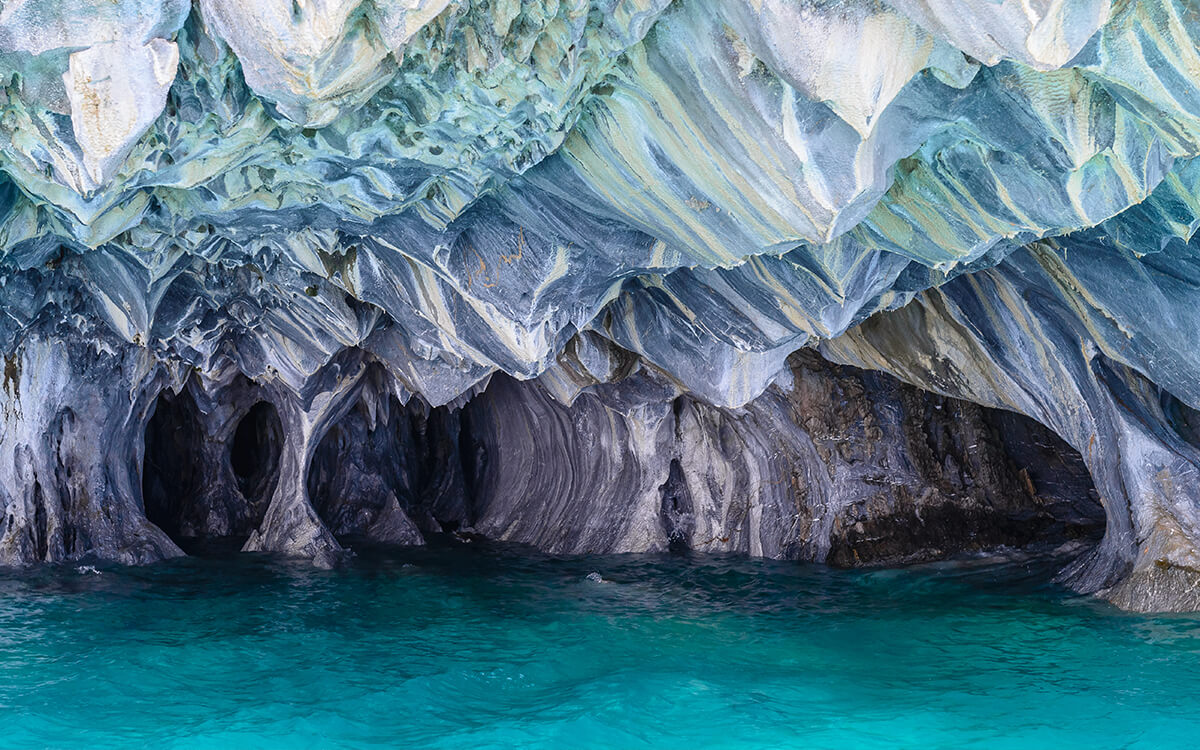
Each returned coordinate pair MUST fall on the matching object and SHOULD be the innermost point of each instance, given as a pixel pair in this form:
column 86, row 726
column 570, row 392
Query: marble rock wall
column 360, row 212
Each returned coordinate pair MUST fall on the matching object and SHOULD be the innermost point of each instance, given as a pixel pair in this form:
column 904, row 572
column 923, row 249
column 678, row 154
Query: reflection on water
column 471, row 646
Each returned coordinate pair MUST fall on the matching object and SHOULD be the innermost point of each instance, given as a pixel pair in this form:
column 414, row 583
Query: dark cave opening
column 992, row 480
column 201, row 481
column 254, row 452
column 922, row 477
column 970, row 479
column 369, row 473
column 1052, row 472
column 677, row 514
column 172, row 474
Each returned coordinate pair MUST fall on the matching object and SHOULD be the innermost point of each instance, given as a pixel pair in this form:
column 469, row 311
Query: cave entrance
column 254, row 453
column 172, row 472
column 369, row 472
column 986, row 481
column 207, row 478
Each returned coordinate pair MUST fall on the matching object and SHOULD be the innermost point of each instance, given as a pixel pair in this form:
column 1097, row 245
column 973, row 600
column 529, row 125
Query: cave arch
column 209, row 474
column 370, row 470
column 172, row 470
column 254, row 452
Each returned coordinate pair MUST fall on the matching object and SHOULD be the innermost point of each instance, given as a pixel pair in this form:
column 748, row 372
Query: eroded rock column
column 72, row 417
column 291, row 525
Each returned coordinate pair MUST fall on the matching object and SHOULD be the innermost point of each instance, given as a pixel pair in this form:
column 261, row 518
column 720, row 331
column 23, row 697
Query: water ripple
column 487, row 646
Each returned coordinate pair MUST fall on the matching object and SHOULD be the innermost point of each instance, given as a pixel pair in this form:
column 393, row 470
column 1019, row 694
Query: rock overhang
column 544, row 189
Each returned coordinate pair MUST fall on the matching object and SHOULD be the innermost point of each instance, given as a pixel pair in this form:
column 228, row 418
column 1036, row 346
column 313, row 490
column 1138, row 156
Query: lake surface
column 472, row 646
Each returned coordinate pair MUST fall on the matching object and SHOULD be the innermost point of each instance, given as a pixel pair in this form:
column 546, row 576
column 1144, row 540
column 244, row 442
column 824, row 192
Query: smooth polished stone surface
column 329, row 205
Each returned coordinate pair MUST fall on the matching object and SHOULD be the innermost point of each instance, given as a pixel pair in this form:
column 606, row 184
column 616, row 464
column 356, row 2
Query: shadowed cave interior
column 172, row 474
column 204, row 481
column 372, row 472
column 875, row 473
column 254, row 453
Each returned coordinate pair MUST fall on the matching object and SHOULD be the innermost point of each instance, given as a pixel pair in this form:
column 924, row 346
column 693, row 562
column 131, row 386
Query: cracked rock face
column 326, row 269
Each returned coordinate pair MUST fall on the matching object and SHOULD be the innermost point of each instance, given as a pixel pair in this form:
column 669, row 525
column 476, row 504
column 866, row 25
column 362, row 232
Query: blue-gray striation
column 304, row 271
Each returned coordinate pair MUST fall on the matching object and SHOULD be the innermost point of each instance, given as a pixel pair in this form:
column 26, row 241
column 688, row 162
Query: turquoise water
column 469, row 647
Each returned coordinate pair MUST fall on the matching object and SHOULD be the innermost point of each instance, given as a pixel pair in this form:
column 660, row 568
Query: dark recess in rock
column 171, row 478
column 210, row 475
column 254, row 452
column 368, row 472
column 677, row 510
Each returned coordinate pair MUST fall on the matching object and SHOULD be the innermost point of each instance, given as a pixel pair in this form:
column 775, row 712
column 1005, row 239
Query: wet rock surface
column 540, row 271
column 830, row 464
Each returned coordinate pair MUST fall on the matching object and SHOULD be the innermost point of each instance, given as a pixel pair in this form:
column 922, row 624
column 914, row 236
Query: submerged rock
column 320, row 270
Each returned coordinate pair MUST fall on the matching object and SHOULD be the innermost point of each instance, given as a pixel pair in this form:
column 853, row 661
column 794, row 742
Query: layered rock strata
column 830, row 464
column 406, row 226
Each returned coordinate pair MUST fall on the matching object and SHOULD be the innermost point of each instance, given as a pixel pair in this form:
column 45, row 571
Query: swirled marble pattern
column 369, row 212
